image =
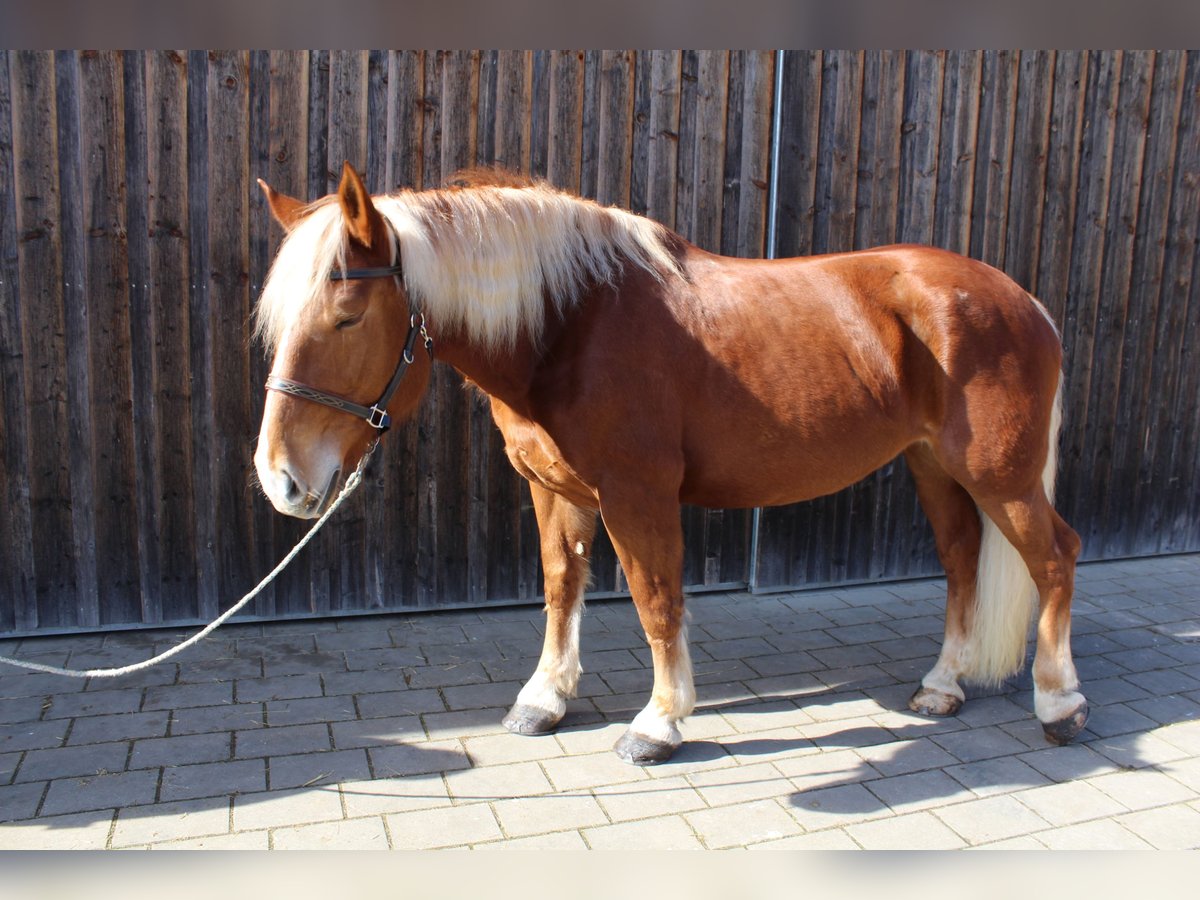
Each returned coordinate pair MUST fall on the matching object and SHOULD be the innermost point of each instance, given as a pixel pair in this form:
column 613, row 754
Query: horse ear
column 363, row 220
column 286, row 210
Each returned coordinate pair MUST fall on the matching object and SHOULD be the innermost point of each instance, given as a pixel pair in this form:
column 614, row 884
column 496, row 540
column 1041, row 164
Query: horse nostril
column 292, row 492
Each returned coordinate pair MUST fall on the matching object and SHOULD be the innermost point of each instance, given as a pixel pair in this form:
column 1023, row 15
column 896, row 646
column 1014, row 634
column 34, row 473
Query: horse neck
column 503, row 373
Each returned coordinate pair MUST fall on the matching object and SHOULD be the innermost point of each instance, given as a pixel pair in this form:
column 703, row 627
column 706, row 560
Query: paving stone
column 8, row 765
column 665, row 833
column 743, row 823
column 88, row 831
column 918, row 790
column 446, row 676
column 646, row 799
column 836, row 707
column 455, row 826
column 740, row 784
column 20, row 709
column 213, row 779
column 570, row 773
column 786, row 663
column 837, row 734
column 377, row 732
column 1133, row 751
column 1166, row 828
column 978, row 743
column 384, row 658
column 159, row 822
column 765, row 716
column 504, row 748
column 490, row 783
column 836, row 806
column 990, row 819
column 202, row 719
column 1068, row 763
column 308, row 710
column 987, row 777
column 390, row 704
column 482, row 696
column 370, row 797
column 357, row 638
column 1114, row 719
column 366, row 682
column 175, row 696
column 66, row 762
column 36, row 685
column 1067, row 804
column 180, row 751
column 465, row 723
column 739, row 648
column 418, row 758
column 204, row 670
column 520, row 816
column 316, row 663
column 354, row 834
column 100, row 792
column 274, row 809
column 917, row 831
column 901, row 757
column 766, row 746
column 32, row 735
column 309, row 769
column 122, row 726
column 20, row 801
column 278, row 740
column 1102, row 834
column 281, row 687
column 1184, row 735
column 559, row 840
column 93, row 703
column 589, row 738
column 1142, row 789
column 829, row 839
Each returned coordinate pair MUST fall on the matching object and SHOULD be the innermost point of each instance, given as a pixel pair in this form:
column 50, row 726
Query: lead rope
column 351, row 483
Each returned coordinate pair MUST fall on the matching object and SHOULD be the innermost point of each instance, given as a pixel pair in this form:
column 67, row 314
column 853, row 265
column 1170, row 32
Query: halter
column 376, row 414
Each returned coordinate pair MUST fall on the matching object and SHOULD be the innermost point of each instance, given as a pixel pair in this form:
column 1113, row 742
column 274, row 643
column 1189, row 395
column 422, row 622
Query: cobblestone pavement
column 385, row 732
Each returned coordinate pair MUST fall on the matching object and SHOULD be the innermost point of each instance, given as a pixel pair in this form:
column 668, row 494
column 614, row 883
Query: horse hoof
column 929, row 702
column 640, row 751
column 1065, row 729
column 530, row 720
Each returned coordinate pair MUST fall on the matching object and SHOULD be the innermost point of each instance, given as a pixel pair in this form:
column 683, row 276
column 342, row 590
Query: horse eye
column 346, row 323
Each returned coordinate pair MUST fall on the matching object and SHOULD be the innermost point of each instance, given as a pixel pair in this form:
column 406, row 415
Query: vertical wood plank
column 565, row 145
column 38, row 334
column 616, row 127
column 512, row 110
column 19, row 605
column 228, row 278
column 993, row 156
column 101, row 105
column 144, row 374
column 755, row 153
column 837, row 167
column 1027, row 188
column 712, row 89
column 591, row 151
column 168, row 237
column 957, row 150
column 879, row 156
column 663, row 146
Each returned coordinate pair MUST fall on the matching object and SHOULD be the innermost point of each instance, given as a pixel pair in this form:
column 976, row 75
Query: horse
column 630, row 372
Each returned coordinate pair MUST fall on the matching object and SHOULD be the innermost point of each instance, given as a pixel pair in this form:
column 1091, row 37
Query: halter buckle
column 379, row 419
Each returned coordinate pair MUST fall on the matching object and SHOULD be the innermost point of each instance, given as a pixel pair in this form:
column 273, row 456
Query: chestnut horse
column 630, row 372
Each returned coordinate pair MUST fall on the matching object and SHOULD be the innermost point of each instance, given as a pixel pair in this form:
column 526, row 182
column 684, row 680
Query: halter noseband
column 376, row 414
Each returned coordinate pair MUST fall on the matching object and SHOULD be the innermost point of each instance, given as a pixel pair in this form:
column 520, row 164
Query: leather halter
column 376, row 414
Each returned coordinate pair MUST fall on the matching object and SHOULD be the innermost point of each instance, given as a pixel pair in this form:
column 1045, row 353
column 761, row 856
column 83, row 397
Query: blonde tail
column 1005, row 595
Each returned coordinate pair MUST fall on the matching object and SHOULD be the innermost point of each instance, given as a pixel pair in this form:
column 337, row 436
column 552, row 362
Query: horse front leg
column 566, row 532
column 648, row 539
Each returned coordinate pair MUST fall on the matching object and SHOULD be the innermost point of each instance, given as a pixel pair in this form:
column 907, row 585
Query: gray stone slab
column 446, row 676
column 20, row 709
column 282, row 687
column 316, row 663
column 201, row 719
column 377, row 732
column 122, row 726
column 388, row 704
column 93, row 703
column 20, row 801
column 181, row 695
column 310, row 769
column 418, row 758
column 100, row 792
column 180, row 750
column 212, row 779
column 281, row 740
column 33, row 735
column 385, row 658
column 363, row 682
column 303, row 711
column 66, row 762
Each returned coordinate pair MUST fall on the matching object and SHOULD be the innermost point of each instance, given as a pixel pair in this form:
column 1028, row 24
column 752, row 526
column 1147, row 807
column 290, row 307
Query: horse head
column 338, row 320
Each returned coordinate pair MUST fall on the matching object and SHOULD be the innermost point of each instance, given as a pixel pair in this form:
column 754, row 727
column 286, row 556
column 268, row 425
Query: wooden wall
column 133, row 244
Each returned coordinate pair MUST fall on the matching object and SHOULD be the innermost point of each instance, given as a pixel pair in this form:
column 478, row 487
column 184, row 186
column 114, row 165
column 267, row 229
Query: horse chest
column 537, row 458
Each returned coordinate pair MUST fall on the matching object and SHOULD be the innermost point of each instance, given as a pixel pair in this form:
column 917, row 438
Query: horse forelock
column 482, row 259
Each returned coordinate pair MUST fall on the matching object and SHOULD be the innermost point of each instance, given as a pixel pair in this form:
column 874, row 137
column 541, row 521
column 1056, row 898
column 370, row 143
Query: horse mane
column 482, row 256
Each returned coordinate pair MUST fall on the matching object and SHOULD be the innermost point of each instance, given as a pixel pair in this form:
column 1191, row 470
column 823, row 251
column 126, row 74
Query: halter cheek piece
column 376, row 414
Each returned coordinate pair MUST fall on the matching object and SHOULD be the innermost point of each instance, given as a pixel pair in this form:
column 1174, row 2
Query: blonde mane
column 482, row 259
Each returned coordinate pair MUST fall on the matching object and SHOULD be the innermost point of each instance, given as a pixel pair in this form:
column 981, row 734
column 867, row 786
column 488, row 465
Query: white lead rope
column 351, row 483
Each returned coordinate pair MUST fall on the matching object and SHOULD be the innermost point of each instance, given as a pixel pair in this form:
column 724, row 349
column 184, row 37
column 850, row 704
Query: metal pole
column 772, row 218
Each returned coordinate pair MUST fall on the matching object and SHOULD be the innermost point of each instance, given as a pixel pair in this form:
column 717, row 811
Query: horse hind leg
column 566, row 543
column 957, row 532
column 1049, row 548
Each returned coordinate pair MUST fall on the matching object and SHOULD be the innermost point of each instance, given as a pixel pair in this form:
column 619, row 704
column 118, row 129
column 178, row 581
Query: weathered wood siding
column 133, row 243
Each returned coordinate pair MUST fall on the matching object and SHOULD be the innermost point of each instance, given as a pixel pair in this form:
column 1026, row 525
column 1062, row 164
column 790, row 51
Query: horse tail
column 1005, row 595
